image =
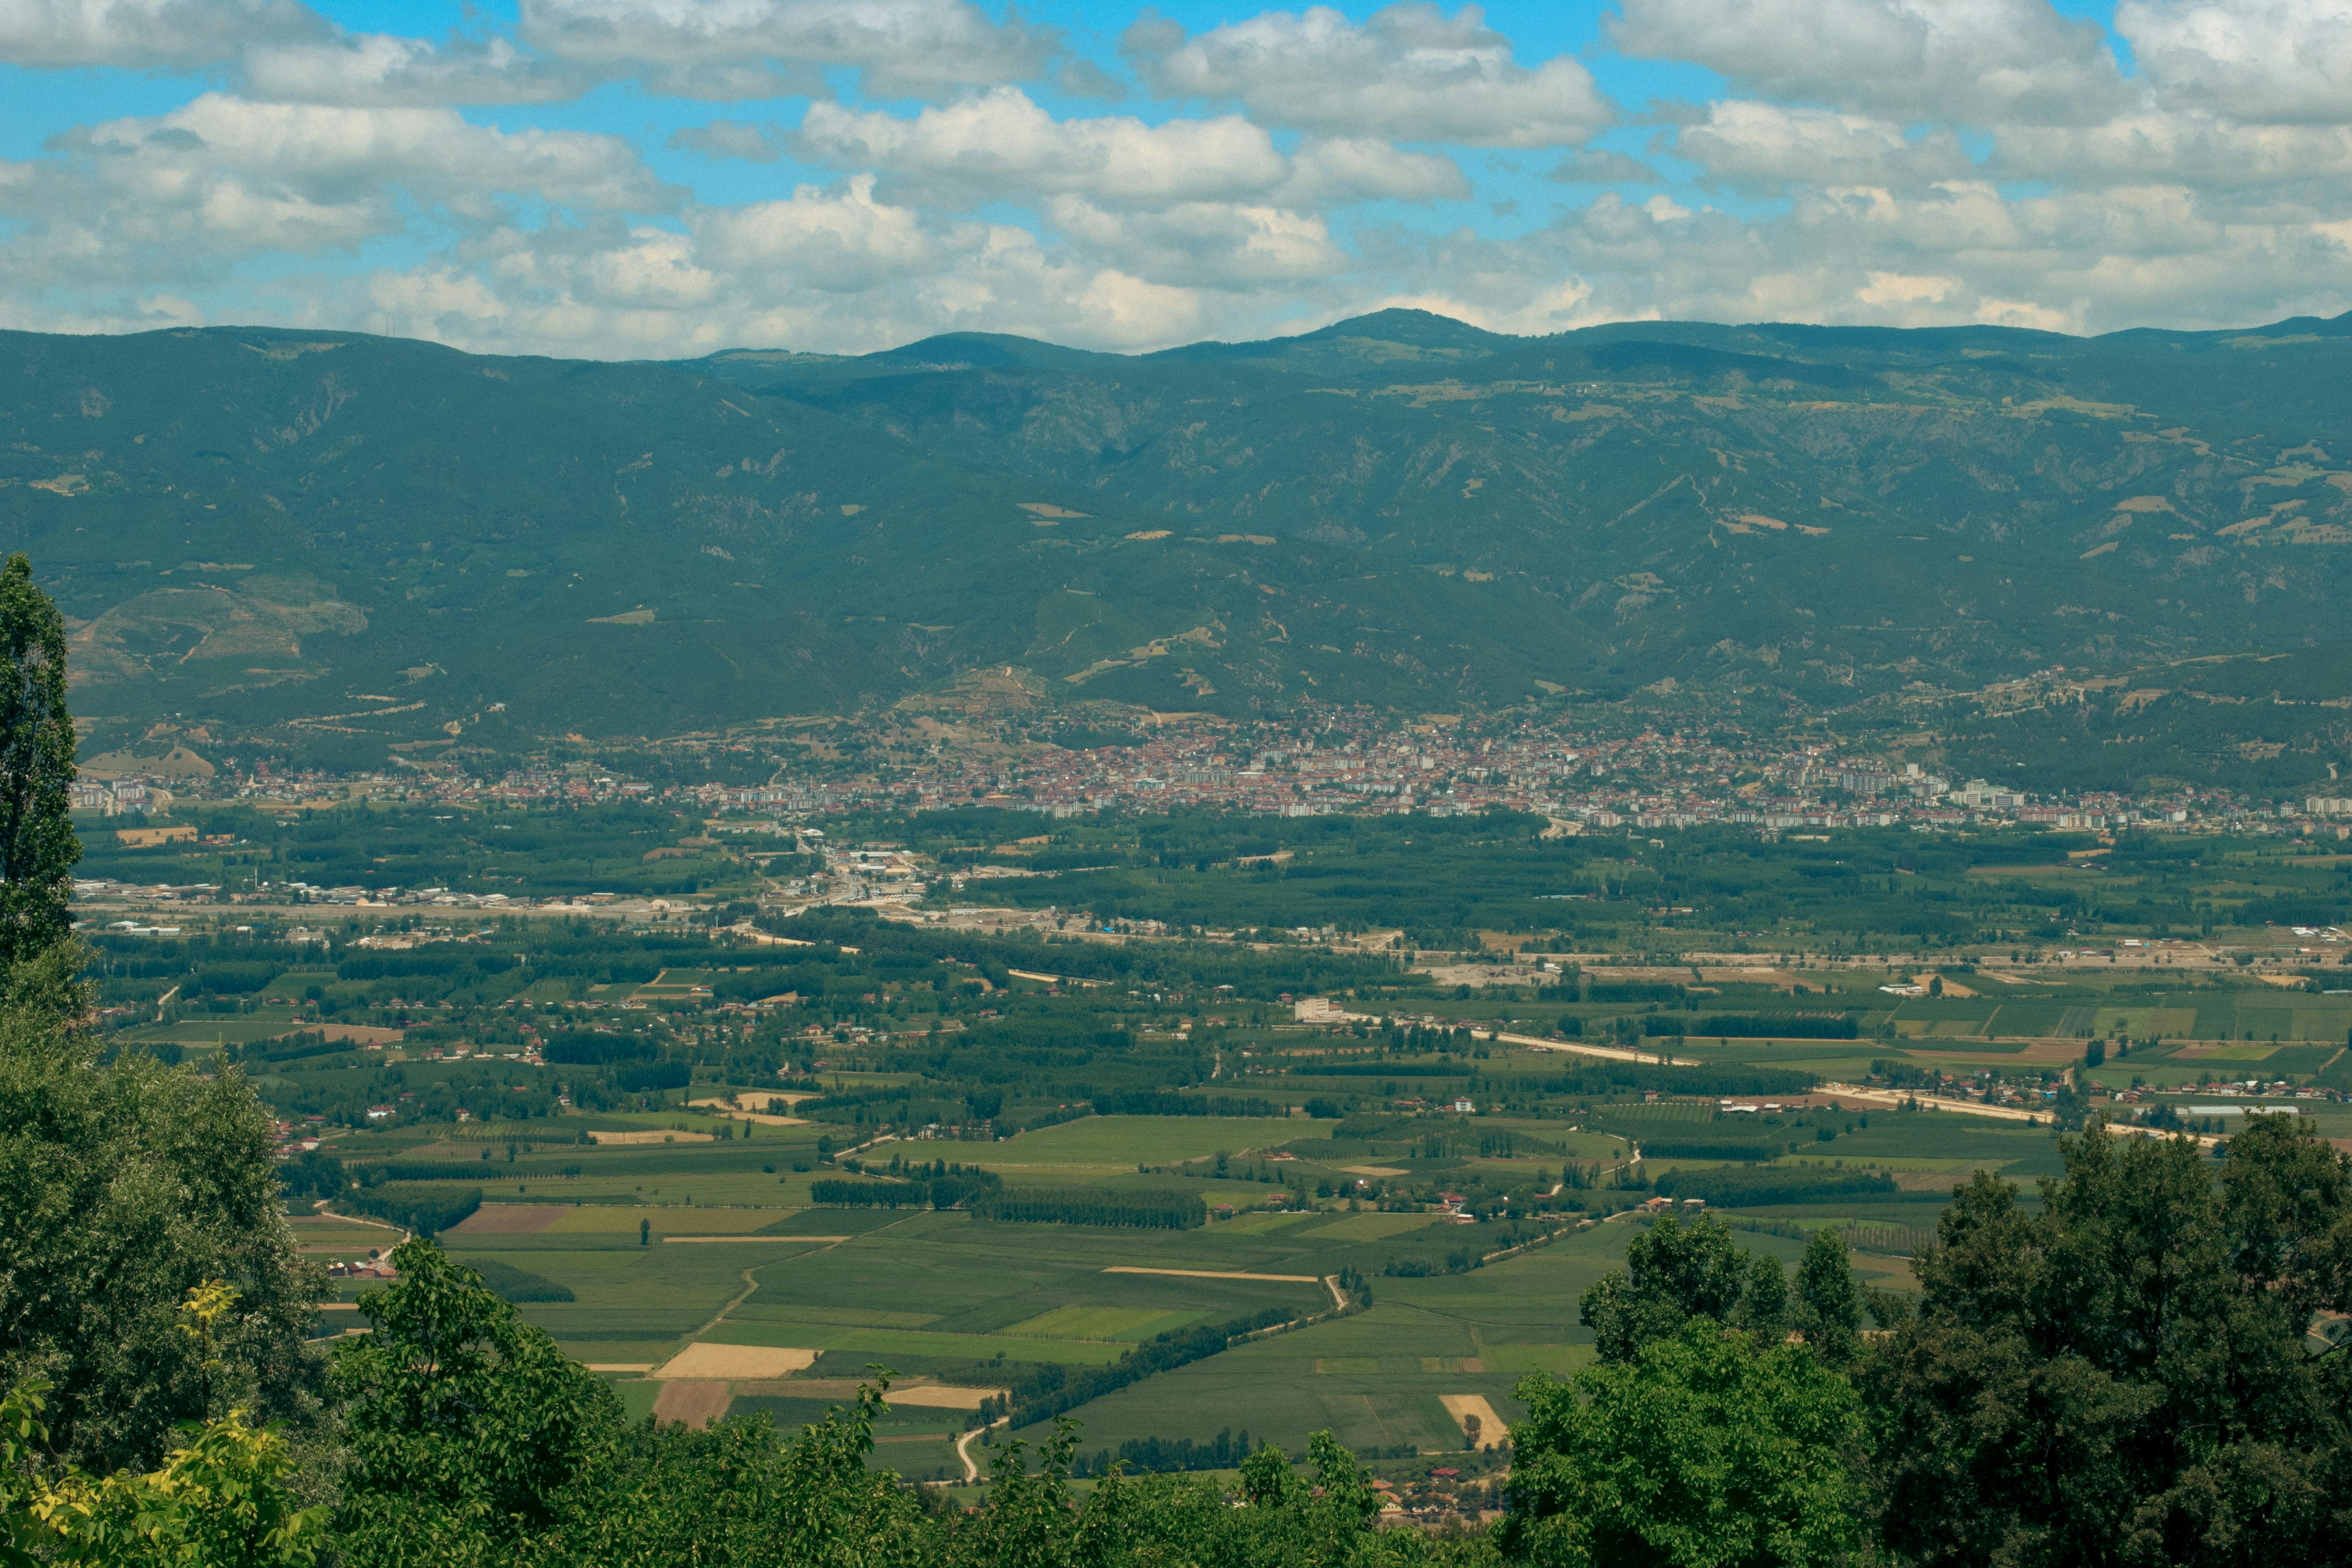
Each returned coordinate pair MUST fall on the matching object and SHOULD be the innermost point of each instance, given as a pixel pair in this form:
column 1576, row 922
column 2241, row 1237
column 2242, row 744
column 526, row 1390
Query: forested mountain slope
column 355, row 540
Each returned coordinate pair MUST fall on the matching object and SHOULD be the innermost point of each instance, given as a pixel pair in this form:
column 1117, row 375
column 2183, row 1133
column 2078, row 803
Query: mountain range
column 323, row 543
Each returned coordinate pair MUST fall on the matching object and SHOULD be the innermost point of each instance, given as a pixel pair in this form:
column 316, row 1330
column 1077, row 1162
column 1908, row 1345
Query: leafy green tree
column 38, row 844
column 1675, row 1272
column 735, row 1493
column 221, row 1499
column 2125, row 1377
column 467, row 1428
column 123, row 1186
column 1828, row 1308
column 1704, row 1450
column 1764, row 1309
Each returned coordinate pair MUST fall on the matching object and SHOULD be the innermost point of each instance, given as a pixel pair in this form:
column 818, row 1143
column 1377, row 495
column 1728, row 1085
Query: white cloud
column 1837, row 178
column 379, row 68
column 1205, row 243
column 2280, row 61
column 1409, row 73
column 2187, row 148
column 1331, row 170
column 223, row 179
column 754, row 48
column 1896, row 289
column 1764, row 145
column 1000, row 143
column 837, row 241
column 148, row 35
column 1979, row 62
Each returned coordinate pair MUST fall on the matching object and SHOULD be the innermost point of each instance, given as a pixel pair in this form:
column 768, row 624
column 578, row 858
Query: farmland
column 1051, row 1170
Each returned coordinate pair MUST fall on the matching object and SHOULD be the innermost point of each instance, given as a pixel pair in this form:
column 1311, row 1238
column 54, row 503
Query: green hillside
column 328, row 543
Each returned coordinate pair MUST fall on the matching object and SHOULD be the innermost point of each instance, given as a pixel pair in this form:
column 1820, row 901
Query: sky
column 632, row 179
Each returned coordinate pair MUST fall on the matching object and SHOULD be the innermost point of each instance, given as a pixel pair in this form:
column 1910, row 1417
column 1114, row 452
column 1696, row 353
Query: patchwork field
column 707, row 1279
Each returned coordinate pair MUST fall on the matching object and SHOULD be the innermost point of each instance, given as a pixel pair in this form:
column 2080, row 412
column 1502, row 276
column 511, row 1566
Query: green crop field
column 1115, row 1142
column 690, row 1226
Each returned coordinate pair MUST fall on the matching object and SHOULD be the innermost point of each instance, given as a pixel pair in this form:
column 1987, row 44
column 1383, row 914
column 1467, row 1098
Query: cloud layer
column 621, row 178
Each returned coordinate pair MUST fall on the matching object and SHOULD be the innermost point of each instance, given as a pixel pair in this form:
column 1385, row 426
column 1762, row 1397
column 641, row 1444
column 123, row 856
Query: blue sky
column 624, row 178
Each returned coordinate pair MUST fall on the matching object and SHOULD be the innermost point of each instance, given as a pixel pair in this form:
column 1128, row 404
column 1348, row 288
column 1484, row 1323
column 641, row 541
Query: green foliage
column 1756, row 1188
column 466, row 1427
column 2124, row 1376
column 38, row 844
column 123, row 1186
column 1136, row 1208
column 1829, row 1310
column 223, row 1498
column 1703, row 1447
column 1675, row 1273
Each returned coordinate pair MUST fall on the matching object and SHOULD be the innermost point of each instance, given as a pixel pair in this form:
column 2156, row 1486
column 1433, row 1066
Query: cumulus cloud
column 1000, row 143
column 1979, row 62
column 1209, row 244
column 837, row 241
column 2197, row 149
column 756, row 48
column 225, row 178
column 148, row 35
column 956, row 166
column 2280, row 61
column 1410, row 73
column 1765, row 146
column 380, row 69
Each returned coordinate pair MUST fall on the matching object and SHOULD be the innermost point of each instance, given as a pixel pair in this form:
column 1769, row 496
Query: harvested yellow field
column 651, row 1137
column 703, row 1359
column 1467, row 1408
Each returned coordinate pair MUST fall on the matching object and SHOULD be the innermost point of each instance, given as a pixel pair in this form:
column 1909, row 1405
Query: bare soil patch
column 357, row 1034
column 696, row 1403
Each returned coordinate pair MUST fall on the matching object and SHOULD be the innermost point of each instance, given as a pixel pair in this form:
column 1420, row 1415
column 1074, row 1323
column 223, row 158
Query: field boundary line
column 668, row 1240
column 1218, row 1274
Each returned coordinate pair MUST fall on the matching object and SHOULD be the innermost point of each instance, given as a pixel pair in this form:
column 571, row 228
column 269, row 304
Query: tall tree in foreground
column 1675, row 1272
column 38, row 846
column 124, row 1185
column 2127, row 1377
column 1706, row 1448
